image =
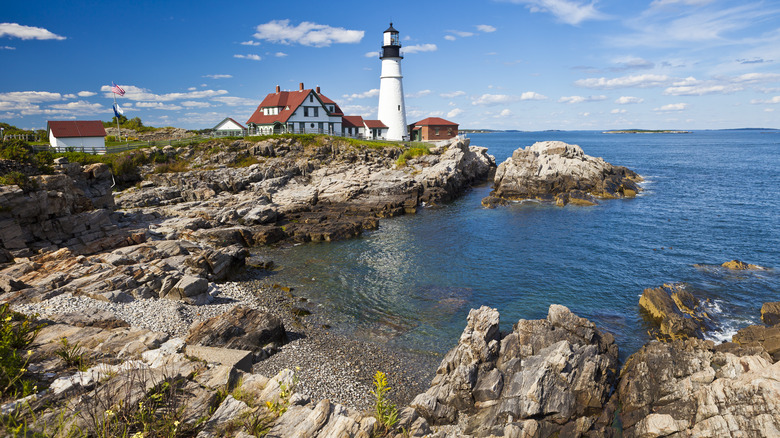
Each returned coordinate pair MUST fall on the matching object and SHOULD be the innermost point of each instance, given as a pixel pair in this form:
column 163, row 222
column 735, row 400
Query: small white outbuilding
column 77, row 135
column 229, row 128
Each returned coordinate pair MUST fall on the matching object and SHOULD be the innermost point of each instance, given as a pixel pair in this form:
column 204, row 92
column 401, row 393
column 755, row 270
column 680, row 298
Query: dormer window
column 311, row 98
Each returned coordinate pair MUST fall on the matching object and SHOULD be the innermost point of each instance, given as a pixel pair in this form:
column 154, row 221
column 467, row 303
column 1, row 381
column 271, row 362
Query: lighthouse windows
column 399, row 107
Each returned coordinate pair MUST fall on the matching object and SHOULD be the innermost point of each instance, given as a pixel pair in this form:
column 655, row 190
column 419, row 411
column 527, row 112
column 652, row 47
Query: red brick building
column 433, row 128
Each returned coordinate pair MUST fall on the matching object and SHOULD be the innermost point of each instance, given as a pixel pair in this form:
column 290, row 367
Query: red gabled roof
column 285, row 100
column 375, row 124
column 352, row 122
column 76, row 128
column 435, row 121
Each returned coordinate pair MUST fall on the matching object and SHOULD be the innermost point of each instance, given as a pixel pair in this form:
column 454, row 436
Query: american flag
column 117, row 89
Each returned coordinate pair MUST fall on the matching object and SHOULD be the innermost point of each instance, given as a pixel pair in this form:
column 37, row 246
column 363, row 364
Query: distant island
column 646, row 131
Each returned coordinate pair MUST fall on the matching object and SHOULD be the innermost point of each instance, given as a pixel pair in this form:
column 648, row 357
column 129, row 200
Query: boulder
column 241, row 328
column 736, row 265
column 675, row 312
column 691, row 388
column 563, row 171
column 191, row 290
column 767, row 338
column 770, row 313
column 550, row 376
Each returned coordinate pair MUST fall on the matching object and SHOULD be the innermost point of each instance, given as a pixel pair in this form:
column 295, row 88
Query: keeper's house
column 356, row 126
column 433, row 129
column 229, row 128
column 77, row 135
column 303, row 111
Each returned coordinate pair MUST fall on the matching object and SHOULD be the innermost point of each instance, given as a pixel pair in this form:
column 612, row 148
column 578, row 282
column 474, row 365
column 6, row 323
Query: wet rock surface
column 675, row 312
column 560, row 173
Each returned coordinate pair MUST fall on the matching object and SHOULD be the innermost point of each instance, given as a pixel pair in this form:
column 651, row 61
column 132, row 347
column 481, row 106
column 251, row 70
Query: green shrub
column 16, row 150
column 17, row 332
column 18, row 179
column 413, row 152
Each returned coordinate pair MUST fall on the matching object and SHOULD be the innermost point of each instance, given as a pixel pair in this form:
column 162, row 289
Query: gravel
column 328, row 365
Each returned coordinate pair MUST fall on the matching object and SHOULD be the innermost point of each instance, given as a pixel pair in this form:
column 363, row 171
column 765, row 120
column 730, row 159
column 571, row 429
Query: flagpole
column 116, row 114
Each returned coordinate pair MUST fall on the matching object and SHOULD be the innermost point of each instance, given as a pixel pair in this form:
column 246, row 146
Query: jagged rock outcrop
column 242, row 329
column 770, row 313
column 675, row 312
column 562, row 173
column 545, row 377
column 737, row 265
column 694, row 388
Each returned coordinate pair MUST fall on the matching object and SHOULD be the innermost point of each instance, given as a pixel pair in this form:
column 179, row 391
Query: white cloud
column 638, row 81
column 450, row 37
column 419, row 48
column 218, row 77
column 30, row 96
column 306, row 33
column 702, row 89
column 531, row 95
column 236, row 101
column 80, row 107
column 773, row 100
column 618, row 111
column 158, row 105
column 86, row 93
column 754, row 78
column 361, row 110
column 68, row 96
column 250, row 43
column 672, row 107
column 632, row 63
column 372, row 54
column 452, row 94
column 505, row 113
column 374, row 92
column 461, row 33
column 250, row 56
column 420, row 93
column 7, row 48
column 493, row 99
column 15, row 30
column 195, row 104
column 454, row 113
column 192, row 88
column 581, row 99
column 280, row 54
column 626, row 100
column 568, row 11
column 485, row 28
column 141, row 94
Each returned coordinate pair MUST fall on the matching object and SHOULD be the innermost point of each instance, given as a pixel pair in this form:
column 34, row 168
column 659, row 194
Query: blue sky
column 500, row 64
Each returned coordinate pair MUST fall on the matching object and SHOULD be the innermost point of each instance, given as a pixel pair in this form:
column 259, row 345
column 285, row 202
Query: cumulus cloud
column 420, row 93
column 86, row 93
column 142, row 94
column 450, row 37
column 773, row 100
column 531, row 95
column 493, row 99
column 30, row 96
column 452, row 94
column 485, row 28
column 236, row 101
column 218, row 76
column 7, row 48
column 361, row 110
column 250, row 43
column 306, row 33
column 632, row 63
column 372, row 54
column 374, row 92
column 505, row 113
column 672, row 107
column 702, row 89
column 250, row 56
column 571, row 12
column 626, row 100
column 280, row 54
column 632, row 81
column 15, row 30
column 455, row 112
column 195, row 104
column 618, row 111
column 159, row 105
column 461, row 33
column 419, row 48
column 80, row 107
column 581, row 99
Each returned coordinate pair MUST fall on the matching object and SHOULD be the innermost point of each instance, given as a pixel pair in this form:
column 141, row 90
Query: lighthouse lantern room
column 392, row 110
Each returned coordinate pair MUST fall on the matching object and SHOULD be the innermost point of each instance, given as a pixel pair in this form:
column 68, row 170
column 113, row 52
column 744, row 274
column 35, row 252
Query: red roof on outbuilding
column 76, row 128
column 435, row 121
column 352, row 122
column 375, row 124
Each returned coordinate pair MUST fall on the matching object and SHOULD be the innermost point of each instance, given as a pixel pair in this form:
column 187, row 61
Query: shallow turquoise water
column 710, row 197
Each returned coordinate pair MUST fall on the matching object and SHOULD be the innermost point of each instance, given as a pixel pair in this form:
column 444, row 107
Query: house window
column 316, row 112
column 311, row 98
column 312, row 125
column 302, row 127
column 449, row 131
column 436, row 131
column 306, row 111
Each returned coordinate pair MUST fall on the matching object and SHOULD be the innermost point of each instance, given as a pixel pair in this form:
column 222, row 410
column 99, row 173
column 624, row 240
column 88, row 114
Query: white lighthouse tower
column 392, row 110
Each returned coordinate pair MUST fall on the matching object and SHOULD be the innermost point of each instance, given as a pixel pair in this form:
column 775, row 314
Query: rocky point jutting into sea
column 140, row 283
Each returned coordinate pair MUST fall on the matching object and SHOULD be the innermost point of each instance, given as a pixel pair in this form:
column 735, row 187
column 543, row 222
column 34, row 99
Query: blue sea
column 709, row 197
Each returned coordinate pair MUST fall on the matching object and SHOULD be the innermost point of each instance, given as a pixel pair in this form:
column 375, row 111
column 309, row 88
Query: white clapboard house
column 229, row 128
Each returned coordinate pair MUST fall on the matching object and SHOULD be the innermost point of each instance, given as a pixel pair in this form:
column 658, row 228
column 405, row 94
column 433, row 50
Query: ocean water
column 709, row 197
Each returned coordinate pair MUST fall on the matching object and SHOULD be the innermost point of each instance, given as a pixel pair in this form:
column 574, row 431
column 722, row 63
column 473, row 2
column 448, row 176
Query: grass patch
column 412, row 152
column 17, row 333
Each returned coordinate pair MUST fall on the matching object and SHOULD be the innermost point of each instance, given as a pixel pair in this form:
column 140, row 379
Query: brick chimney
column 278, row 89
column 301, row 87
column 318, row 89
